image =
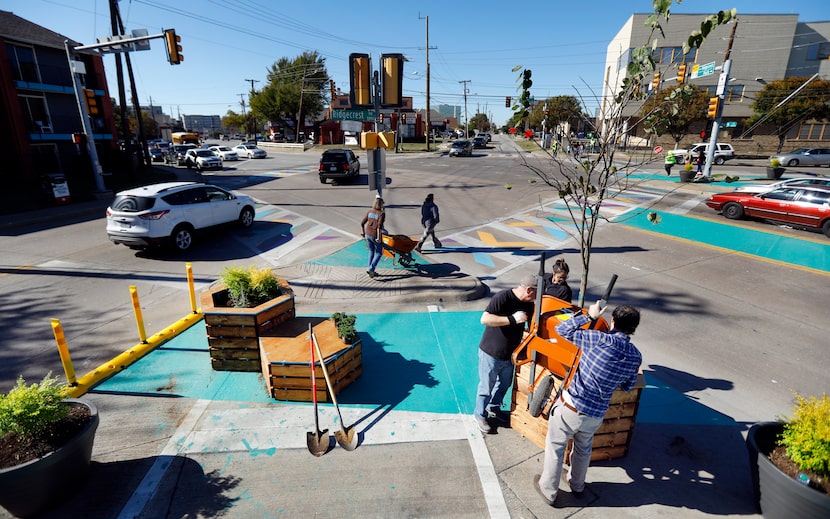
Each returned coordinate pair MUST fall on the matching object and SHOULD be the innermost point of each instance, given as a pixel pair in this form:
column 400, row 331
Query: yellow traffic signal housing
column 360, row 80
column 174, row 50
column 91, row 102
column 391, row 80
column 712, row 112
column 368, row 140
column 655, row 83
column 681, row 74
column 386, row 140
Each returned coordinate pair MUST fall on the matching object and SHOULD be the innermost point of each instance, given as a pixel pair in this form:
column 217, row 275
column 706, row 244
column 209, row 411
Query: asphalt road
column 736, row 332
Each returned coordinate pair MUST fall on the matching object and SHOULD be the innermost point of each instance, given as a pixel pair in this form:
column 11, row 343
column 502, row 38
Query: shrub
column 345, row 326
column 775, row 163
column 807, row 435
column 688, row 166
column 248, row 287
column 30, row 410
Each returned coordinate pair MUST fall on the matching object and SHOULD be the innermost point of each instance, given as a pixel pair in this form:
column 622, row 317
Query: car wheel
column 719, row 160
column 322, row 180
column 246, row 217
column 733, row 211
column 826, row 228
column 182, row 237
column 793, row 162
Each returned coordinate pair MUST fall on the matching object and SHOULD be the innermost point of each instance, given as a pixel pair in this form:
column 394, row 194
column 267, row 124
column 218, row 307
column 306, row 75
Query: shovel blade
column 318, row 443
column 346, row 438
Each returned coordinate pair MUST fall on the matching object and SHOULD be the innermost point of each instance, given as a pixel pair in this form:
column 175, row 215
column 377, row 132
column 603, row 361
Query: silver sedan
column 804, row 157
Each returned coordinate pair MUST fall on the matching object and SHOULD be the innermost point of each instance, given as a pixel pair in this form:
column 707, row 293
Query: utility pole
column 244, row 117
column 466, row 120
column 256, row 130
column 426, row 119
column 723, row 82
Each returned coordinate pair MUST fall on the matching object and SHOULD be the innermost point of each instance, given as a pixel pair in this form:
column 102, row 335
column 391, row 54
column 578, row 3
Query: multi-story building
column 203, row 124
column 40, row 114
column 765, row 47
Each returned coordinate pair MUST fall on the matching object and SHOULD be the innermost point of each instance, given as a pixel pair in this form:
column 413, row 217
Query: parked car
column 250, row 151
column 461, row 148
column 723, row 152
column 156, row 155
column 479, row 141
column 762, row 188
column 797, row 205
column 179, row 150
column 225, row 152
column 338, row 165
column 202, row 159
column 172, row 212
column 804, row 157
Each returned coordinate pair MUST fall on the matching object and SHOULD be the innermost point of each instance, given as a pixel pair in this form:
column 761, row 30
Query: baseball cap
column 529, row 280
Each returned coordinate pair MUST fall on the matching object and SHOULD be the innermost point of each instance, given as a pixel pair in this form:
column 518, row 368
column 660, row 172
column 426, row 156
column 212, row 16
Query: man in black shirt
column 504, row 320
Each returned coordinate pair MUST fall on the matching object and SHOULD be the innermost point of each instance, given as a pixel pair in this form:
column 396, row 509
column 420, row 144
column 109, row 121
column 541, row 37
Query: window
column 36, row 115
column 819, row 51
column 784, row 193
column 814, row 131
column 23, row 64
column 734, row 94
column 666, row 55
column 815, row 197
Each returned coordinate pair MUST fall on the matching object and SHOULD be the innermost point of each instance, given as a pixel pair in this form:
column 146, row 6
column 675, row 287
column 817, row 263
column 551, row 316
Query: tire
column 541, row 396
column 733, row 211
column 246, row 217
column 322, row 180
column 792, row 162
column 826, row 228
column 182, row 238
column 719, row 160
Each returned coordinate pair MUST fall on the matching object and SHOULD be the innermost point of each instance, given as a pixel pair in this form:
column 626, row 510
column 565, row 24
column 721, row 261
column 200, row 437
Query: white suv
column 723, row 152
column 202, row 159
column 171, row 213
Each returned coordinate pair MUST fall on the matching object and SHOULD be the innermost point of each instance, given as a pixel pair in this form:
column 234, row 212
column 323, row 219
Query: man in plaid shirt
column 609, row 360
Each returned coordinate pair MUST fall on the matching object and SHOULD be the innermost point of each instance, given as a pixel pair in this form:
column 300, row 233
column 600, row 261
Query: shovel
column 345, row 437
column 318, row 441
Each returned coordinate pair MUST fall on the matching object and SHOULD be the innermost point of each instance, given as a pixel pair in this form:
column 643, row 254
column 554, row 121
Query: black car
column 338, row 165
column 479, row 141
column 461, row 148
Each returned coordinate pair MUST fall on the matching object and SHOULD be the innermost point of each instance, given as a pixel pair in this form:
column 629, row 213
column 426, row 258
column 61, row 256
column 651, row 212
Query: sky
column 227, row 43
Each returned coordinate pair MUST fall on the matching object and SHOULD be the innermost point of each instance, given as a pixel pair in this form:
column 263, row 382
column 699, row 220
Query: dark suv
column 338, row 165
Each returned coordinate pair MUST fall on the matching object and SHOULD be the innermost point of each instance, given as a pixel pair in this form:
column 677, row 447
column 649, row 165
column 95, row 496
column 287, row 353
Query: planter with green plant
column 45, row 446
column 774, row 169
column 790, row 462
column 687, row 174
column 238, row 309
column 345, row 325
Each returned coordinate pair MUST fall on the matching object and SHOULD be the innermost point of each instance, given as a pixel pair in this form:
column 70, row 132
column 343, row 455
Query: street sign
column 658, row 150
column 730, row 124
column 707, row 69
column 353, row 115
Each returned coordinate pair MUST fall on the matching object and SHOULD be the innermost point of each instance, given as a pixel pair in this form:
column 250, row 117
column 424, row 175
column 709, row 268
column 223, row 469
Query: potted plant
column 774, row 170
column 345, row 326
column 245, row 303
column 45, row 445
column 790, row 462
column 687, row 174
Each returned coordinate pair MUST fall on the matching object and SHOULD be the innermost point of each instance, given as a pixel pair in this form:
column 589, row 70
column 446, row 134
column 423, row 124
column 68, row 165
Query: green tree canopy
column 673, row 109
column 295, row 87
column 811, row 102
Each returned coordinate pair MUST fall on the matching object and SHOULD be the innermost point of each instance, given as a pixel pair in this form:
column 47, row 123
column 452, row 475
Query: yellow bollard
column 190, row 286
column 63, row 350
column 142, row 336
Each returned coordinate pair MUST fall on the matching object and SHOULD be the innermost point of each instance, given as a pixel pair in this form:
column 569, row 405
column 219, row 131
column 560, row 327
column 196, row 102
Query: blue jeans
column 562, row 425
column 495, row 377
column 375, row 252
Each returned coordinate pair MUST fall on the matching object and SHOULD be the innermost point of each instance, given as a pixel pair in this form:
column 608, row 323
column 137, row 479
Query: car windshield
column 204, row 153
column 223, row 148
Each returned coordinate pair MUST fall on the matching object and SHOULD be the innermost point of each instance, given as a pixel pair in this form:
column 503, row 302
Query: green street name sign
column 352, row 115
column 730, row 124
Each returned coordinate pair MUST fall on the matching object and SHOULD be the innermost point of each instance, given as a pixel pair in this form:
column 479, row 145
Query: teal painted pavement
column 805, row 253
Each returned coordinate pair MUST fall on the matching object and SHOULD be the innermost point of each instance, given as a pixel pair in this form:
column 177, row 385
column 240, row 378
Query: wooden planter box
column 233, row 333
column 611, row 440
column 286, row 360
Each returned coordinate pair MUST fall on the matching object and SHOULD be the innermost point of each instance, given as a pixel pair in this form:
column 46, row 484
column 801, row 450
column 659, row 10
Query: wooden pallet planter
column 233, row 333
column 611, row 440
column 285, row 356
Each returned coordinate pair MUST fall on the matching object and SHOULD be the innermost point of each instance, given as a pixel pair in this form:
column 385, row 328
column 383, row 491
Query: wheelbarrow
column 399, row 247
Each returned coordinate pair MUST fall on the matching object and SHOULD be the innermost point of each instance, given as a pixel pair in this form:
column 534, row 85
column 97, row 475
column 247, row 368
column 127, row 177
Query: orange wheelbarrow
column 399, row 247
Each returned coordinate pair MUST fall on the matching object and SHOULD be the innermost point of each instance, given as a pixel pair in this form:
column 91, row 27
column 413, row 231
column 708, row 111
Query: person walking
column 429, row 219
column 371, row 228
column 670, row 161
column 701, row 159
column 504, row 321
column 609, row 360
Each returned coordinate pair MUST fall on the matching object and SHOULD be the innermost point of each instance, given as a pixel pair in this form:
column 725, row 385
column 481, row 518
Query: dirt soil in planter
column 782, row 461
column 15, row 451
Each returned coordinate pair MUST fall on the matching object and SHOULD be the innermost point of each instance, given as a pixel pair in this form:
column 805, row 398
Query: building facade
column 765, row 47
column 40, row 115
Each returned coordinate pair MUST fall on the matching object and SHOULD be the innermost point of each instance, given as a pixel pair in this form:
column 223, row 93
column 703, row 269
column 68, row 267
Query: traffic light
column 174, row 50
column 391, row 80
column 527, row 82
column 703, row 135
column 681, row 74
column 507, row 102
column 91, row 102
column 380, row 118
column 403, row 117
column 360, row 82
column 547, row 112
column 333, row 90
column 655, row 83
column 712, row 112
column 79, row 138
